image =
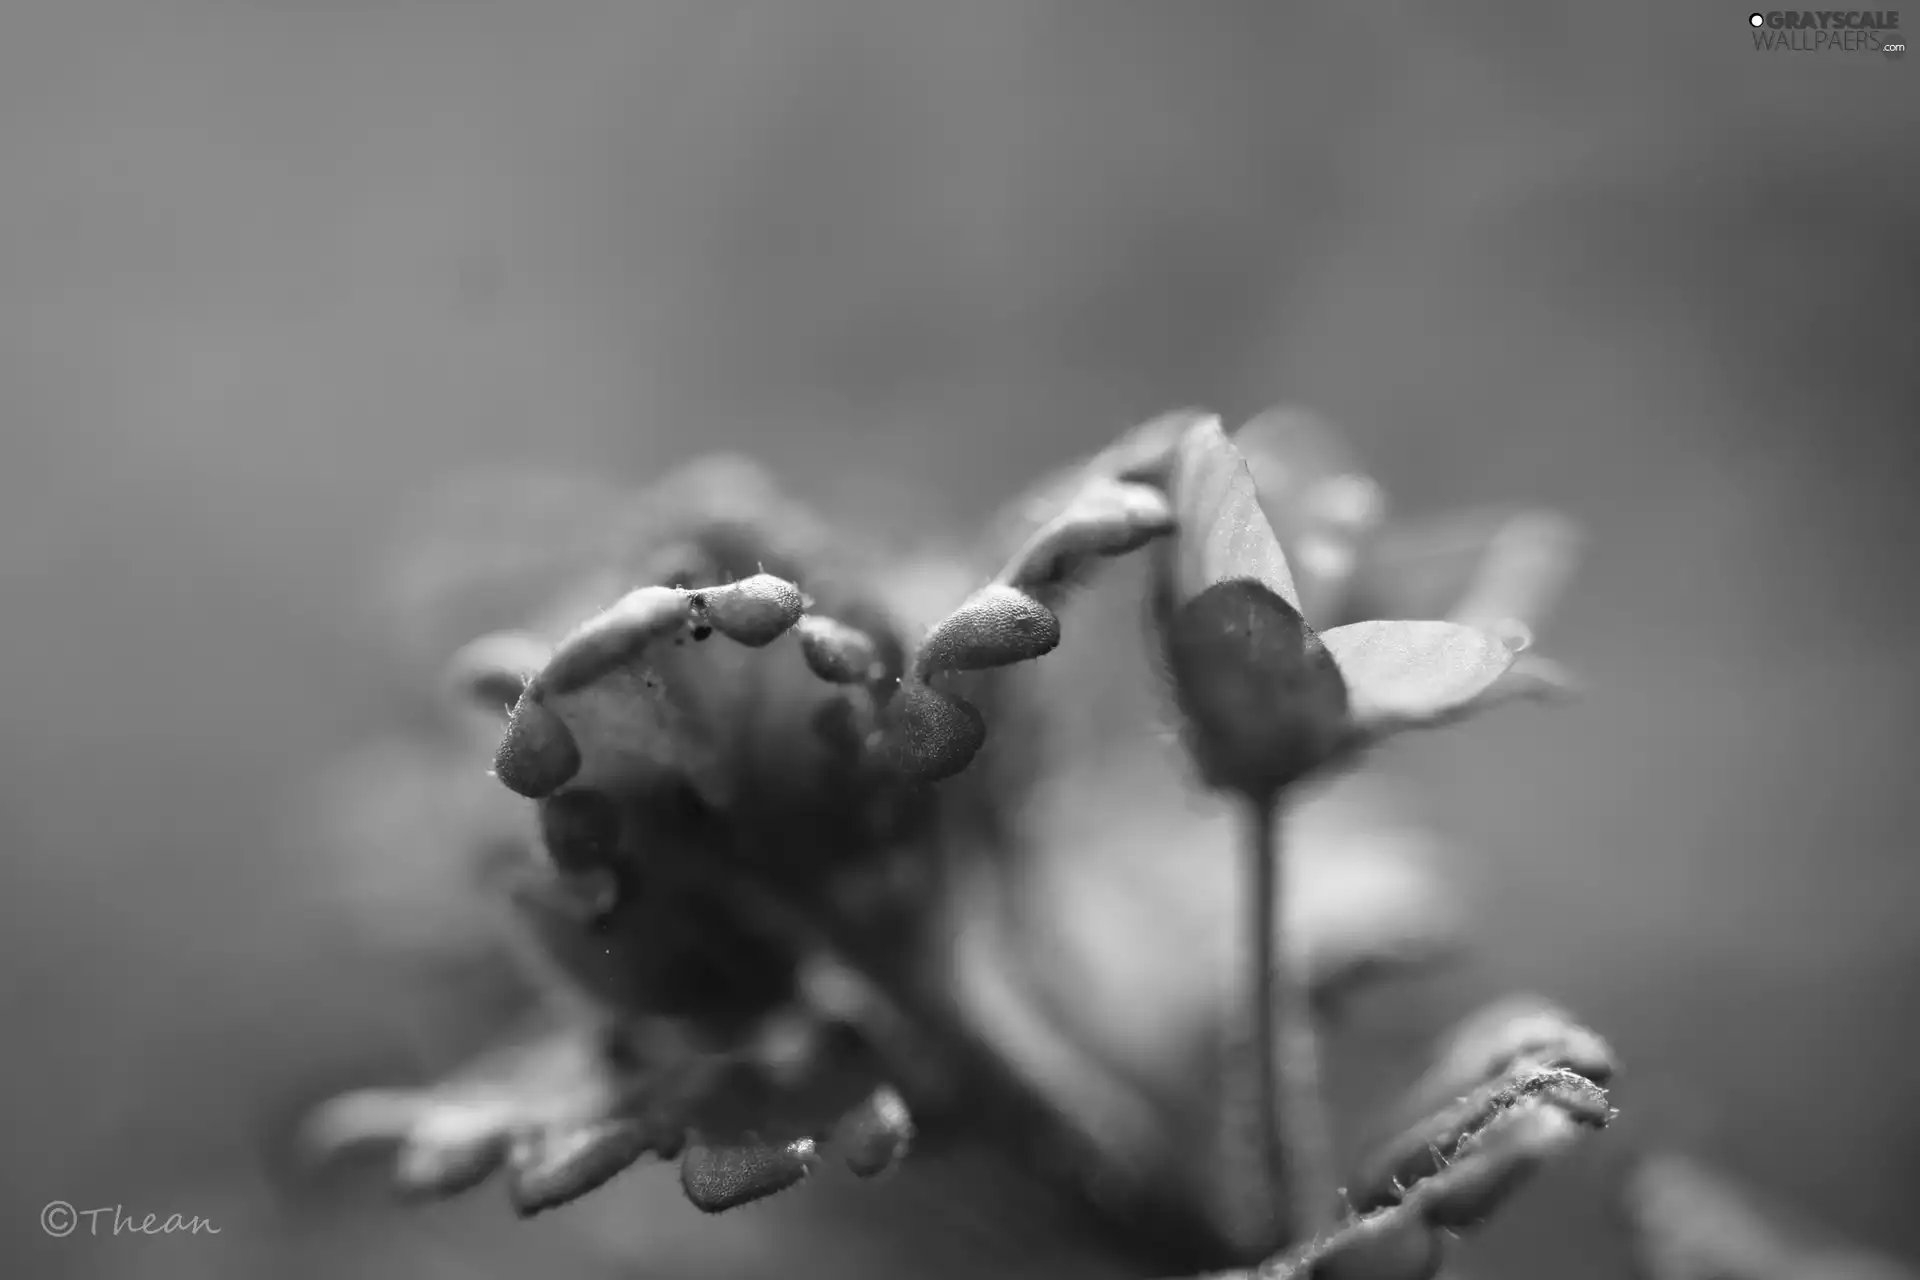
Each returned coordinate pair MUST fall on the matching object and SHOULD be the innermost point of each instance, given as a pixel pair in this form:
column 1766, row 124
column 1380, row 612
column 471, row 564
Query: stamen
column 562, row 1165
column 996, row 627
column 836, row 652
column 931, row 735
column 716, row 1179
column 538, row 754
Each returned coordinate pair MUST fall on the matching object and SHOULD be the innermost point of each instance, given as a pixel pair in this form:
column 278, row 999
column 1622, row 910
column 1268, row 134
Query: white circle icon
column 1756, row 19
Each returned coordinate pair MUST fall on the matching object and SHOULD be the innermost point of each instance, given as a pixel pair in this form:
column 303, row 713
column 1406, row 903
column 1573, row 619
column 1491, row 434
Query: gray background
column 269, row 267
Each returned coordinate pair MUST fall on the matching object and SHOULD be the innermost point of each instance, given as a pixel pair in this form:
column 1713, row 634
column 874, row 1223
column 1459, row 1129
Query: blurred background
column 271, row 269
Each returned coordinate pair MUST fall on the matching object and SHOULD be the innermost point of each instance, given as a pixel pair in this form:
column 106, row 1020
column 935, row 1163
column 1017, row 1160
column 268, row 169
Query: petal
column 1262, row 699
column 1525, row 570
column 1414, row 673
column 1480, row 567
column 1223, row 535
column 1292, row 452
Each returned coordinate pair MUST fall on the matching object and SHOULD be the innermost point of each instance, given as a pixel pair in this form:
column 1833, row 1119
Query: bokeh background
column 270, row 269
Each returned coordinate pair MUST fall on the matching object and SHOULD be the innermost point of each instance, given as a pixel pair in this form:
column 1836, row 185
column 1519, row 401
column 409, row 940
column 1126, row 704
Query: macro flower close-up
column 785, row 865
column 1031, row 640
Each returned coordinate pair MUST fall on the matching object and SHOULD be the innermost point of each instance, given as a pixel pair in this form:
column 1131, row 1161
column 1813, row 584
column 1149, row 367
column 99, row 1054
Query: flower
column 777, row 838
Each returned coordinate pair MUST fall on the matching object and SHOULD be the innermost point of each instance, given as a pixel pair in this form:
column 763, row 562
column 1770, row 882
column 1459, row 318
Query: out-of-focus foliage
column 268, row 269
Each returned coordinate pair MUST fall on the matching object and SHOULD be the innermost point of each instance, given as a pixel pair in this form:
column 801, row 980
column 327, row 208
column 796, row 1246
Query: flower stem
column 1295, row 1143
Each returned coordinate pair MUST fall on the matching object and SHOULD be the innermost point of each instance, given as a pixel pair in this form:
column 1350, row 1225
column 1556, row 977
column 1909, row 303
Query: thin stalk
column 1295, row 1145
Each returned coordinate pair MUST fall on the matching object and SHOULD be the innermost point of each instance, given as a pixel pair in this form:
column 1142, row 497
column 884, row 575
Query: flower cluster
column 758, row 780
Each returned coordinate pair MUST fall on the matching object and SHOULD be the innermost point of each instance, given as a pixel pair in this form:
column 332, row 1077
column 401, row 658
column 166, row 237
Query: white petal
column 1401, row 674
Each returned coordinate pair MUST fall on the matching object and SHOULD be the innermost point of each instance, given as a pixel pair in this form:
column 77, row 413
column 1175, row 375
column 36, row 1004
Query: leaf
column 1451, row 1170
column 1381, row 1246
column 1522, row 1028
column 1411, row 673
column 1495, row 1160
column 1514, row 1049
column 1425, row 1149
column 1223, row 535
